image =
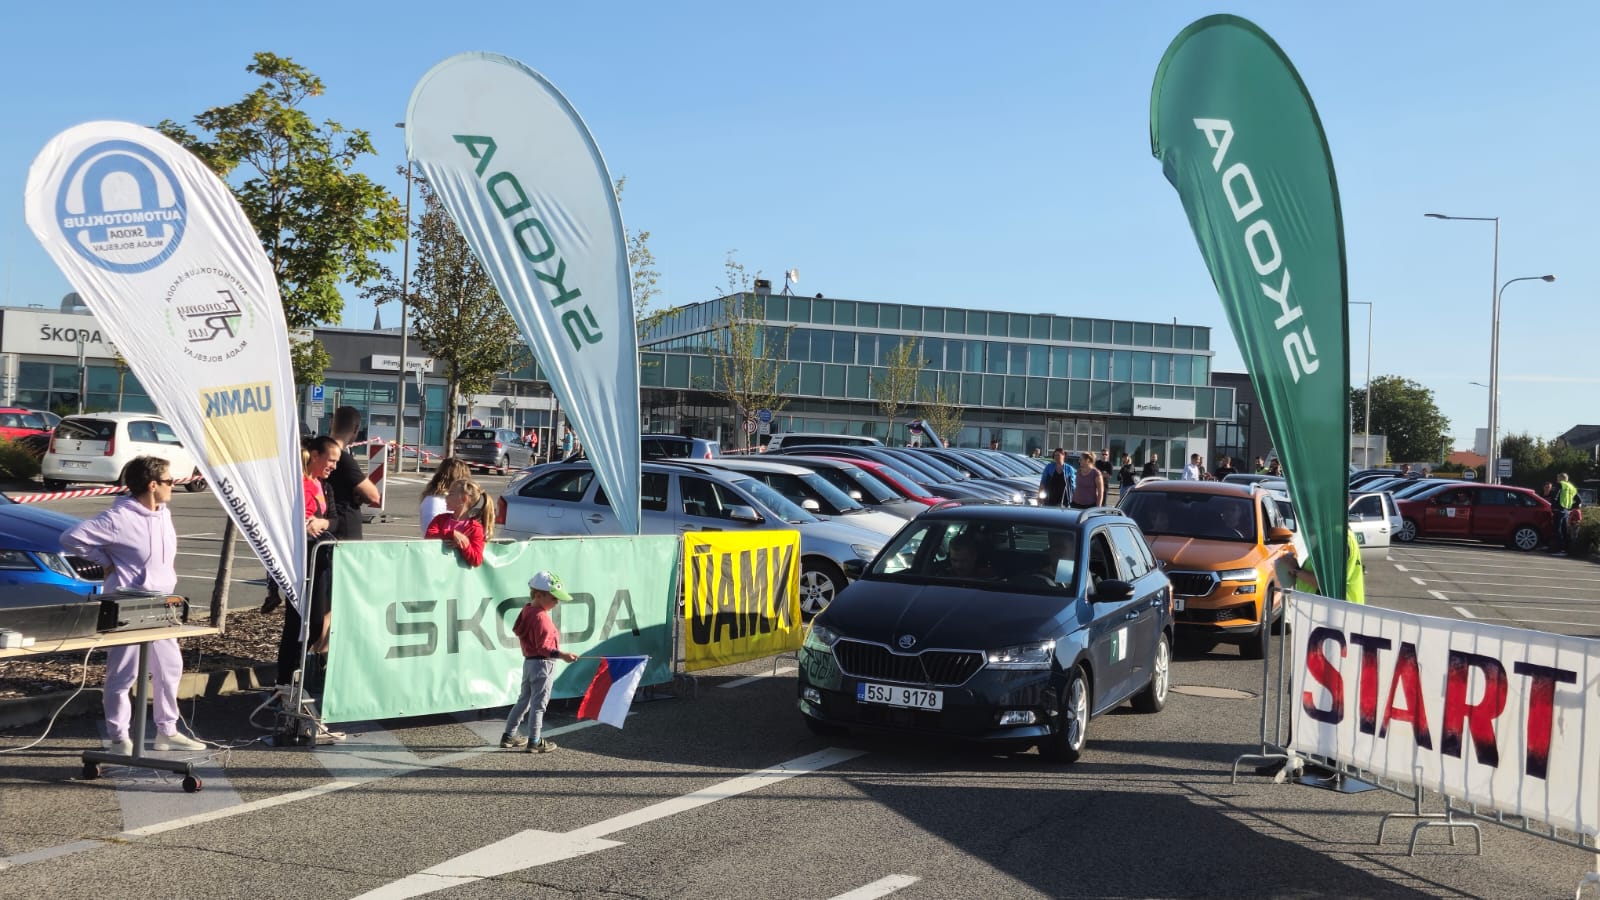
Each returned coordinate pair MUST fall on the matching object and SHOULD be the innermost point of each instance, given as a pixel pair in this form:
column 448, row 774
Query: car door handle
column 595, row 518
column 1131, row 616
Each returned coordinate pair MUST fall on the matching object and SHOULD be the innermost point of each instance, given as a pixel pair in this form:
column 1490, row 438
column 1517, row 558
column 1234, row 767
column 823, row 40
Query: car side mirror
column 1111, row 590
column 743, row 514
column 854, row 569
column 810, row 505
column 1279, row 535
column 856, row 496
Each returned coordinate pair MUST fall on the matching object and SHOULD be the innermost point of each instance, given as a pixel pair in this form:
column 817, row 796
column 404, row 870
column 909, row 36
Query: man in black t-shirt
column 349, row 487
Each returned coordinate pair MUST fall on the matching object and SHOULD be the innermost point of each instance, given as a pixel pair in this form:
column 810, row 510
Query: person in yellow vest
column 1565, row 500
column 1355, row 574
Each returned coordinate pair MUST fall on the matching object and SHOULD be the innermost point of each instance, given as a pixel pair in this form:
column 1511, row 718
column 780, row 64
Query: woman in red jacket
column 468, row 522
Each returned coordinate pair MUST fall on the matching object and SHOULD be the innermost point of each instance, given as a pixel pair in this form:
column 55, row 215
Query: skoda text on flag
column 1238, row 137
column 523, row 179
column 611, row 692
column 160, row 251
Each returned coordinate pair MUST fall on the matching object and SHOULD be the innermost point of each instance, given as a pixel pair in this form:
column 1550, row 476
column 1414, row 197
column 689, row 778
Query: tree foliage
column 748, row 373
column 1405, row 411
column 940, row 409
column 319, row 220
column 644, row 274
column 456, row 313
column 1535, row 461
column 896, row 388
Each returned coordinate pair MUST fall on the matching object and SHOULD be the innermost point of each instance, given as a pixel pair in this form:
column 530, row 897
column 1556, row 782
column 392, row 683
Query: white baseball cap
column 550, row 583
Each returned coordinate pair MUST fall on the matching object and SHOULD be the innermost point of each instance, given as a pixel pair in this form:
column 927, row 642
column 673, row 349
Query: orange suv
column 1218, row 542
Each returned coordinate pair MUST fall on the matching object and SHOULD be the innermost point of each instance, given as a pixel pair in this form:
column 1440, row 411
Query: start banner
column 741, row 596
column 1481, row 713
column 415, row 631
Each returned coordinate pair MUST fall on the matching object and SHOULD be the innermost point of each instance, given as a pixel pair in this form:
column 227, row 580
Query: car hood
column 25, row 527
column 882, row 523
column 944, row 616
column 835, row 532
column 1180, row 552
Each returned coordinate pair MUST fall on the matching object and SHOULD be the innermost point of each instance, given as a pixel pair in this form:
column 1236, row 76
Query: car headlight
column 1024, row 656
column 865, row 551
column 1016, row 496
column 821, row 637
column 58, row 564
column 1238, row 575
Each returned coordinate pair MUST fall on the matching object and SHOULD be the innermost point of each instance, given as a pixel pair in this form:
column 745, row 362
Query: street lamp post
column 1494, row 327
column 400, row 379
column 1494, row 377
column 1366, row 426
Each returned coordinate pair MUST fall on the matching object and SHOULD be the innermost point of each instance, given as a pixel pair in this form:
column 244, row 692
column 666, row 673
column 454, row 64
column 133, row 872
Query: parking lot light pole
column 1366, row 426
column 1494, row 328
column 400, row 379
column 1494, row 374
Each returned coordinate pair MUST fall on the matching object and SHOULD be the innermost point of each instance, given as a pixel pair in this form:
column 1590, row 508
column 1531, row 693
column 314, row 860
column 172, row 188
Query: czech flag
column 611, row 692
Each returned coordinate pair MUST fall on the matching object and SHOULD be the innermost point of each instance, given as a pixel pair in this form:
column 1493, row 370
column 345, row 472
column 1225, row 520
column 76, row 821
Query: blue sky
column 955, row 154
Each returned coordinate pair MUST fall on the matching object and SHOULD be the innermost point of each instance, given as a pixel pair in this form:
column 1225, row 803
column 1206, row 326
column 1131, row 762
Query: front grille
column 874, row 661
column 1192, row 584
column 1213, row 616
column 88, row 571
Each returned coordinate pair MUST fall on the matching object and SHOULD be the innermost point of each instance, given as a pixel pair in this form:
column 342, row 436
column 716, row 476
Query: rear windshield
column 86, row 429
column 476, row 434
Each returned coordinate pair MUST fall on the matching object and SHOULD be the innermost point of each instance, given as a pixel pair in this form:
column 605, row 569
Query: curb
column 193, row 686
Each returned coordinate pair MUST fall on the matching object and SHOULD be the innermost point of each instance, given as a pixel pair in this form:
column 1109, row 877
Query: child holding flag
column 541, row 647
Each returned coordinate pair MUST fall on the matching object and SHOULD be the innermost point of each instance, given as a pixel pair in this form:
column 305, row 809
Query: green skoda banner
column 416, row 631
column 1239, row 138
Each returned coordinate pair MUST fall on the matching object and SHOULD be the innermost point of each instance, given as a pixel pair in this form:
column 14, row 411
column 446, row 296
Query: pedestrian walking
column 135, row 543
column 1090, row 490
column 1152, row 468
column 541, row 647
column 1125, row 476
column 1057, row 481
column 1194, row 471
column 1566, row 501
column 1224, row 468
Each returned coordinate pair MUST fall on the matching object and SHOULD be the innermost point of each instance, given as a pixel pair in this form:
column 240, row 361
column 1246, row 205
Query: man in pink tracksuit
column 135, row 542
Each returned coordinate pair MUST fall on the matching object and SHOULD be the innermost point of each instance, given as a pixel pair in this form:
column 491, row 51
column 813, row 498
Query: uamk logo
column 120, row 207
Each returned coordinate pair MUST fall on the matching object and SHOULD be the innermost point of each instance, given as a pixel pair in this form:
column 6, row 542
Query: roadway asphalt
column 684, row 801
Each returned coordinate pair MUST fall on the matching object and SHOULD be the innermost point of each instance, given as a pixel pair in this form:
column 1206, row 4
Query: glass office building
column 1029, row 380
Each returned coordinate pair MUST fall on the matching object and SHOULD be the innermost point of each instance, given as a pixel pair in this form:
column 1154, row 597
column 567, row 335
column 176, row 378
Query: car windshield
column 836, row 498
column 1219, row 517
column 775, row 501
column 910, row 484
column 986, row 554
column 86, row 429
column 869, row 485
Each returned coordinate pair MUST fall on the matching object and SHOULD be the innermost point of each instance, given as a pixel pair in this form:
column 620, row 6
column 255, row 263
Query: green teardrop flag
column 1239, row 138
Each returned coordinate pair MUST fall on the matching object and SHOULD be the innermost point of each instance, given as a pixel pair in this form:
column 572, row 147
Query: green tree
column 645, row 276
column 1405, row 411
column 746, row 357
column 896, row 388
column 938, row 407
column 1535, row 461
column 320, row 221
column 456, row 314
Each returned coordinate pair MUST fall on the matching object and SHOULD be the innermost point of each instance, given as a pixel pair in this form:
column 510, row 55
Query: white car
column 94, row 448
column 1372, row 514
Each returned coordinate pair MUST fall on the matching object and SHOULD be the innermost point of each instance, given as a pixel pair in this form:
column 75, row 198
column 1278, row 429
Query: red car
column 16, row 423
column 895, row 479
column 1499, row 513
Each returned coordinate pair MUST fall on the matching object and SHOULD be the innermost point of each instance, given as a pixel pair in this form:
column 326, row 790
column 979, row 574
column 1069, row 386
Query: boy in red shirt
column 541, row 647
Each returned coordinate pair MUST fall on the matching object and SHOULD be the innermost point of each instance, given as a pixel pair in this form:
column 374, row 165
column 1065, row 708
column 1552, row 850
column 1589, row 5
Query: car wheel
column 1072, row 731
column 53, row 484
column 504, row 463
column 1525, row 538
column 1153, row 698
column 197, row 485
column 1407, row 532
column 820, row 582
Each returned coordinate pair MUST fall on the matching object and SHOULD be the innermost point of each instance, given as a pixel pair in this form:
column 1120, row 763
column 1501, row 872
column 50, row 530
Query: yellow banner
column 741, row 596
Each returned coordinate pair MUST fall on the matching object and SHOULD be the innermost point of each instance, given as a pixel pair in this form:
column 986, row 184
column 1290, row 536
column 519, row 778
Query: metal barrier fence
column 1277, row 698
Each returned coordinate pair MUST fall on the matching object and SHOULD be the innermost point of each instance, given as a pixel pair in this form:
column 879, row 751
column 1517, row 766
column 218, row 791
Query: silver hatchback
column 501, row 447
column 567, row 499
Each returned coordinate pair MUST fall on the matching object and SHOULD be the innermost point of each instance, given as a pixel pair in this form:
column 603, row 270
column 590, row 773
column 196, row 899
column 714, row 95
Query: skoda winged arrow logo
column 907, row 641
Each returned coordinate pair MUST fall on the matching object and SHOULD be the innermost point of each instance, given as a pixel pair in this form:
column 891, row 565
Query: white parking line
column 1419, row 581
column 1464, row 613
column 1538, row 621
column 1437, row 595
column 883, row 887
column 1536, row 587
column 741, row 682
column 1401, row 568
column 528, row 849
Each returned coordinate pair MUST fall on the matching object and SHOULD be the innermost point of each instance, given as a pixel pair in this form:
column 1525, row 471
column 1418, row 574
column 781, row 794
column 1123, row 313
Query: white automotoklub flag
column 161, row 253
column 522, row 177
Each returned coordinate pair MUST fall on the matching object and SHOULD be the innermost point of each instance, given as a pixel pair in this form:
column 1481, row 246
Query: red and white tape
column 85, row 492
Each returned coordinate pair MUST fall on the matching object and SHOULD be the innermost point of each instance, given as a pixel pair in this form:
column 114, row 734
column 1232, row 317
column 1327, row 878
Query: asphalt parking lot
column 716, row 789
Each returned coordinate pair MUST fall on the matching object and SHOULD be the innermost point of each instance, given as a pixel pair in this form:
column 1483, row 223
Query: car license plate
column 1177, row 604
column 891, row 695
column 74, row 464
